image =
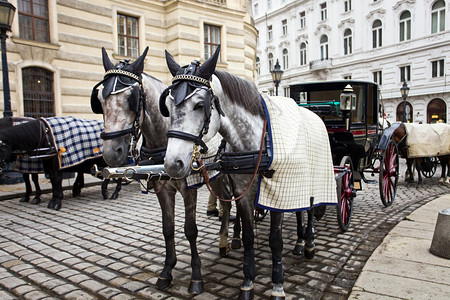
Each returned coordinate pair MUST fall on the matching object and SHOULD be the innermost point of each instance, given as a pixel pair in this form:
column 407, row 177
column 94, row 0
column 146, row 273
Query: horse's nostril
column 179, row 164
column 119, row 151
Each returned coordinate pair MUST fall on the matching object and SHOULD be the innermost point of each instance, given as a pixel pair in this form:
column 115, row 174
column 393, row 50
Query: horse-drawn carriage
column 350, row 110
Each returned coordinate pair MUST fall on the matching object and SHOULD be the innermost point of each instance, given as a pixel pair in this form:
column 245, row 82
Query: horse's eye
column 199, row 105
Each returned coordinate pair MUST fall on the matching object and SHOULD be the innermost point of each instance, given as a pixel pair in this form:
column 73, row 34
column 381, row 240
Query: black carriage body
column 323, row 98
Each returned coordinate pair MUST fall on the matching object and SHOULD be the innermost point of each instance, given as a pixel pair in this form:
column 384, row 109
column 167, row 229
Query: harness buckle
column 196, row 155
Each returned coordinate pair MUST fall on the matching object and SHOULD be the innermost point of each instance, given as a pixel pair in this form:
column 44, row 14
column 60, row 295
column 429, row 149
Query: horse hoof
column 36, row 200
column 163, row 283
column 277, row 297
column 57, row 206
column 105, row 196
column 298, row 250
column 51, row 204
column 114, row 196
column 236, row 244
column 245, row 294
column 76, row 193
column 310, row 253
column 25, row 199
column 223, row 251
column 196, row 287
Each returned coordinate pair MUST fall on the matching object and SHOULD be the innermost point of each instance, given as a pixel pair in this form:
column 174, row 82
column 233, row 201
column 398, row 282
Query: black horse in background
column 28, row 137
column 9, row 122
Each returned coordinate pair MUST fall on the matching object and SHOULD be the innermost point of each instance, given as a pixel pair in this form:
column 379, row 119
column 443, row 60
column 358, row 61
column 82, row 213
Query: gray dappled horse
column 129, row 102
column 202, row 102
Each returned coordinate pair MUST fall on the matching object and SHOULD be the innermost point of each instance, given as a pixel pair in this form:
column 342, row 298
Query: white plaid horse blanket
column 426, row 140
column 301, row 159
column 75, row 139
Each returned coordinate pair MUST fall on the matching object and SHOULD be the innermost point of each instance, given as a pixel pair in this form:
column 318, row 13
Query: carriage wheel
column 345, row 193
column 428, row 166
column 389, row 172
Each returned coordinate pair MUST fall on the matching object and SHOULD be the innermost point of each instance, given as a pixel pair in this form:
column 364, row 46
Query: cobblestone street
column 114, row 249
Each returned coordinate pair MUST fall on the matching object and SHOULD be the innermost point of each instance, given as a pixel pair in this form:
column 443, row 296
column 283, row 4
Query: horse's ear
column 137, row 67
column 172, row 64
column 209, row 66
column 107, row 64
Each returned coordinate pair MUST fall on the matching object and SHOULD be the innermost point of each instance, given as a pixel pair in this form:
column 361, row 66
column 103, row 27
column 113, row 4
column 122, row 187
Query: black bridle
column 194, row 82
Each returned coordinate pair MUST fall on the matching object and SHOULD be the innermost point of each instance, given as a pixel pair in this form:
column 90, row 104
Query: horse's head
column 193, row 109
column 118, row 98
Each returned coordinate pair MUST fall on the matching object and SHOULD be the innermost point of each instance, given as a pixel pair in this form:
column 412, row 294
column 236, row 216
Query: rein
column 206, row 177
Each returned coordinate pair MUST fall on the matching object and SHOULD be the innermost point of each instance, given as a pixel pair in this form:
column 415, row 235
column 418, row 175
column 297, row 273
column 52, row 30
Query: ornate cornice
column 400, row 3
column 321, row 28
column 350, row 21
column 301, row 37
column 380, row 11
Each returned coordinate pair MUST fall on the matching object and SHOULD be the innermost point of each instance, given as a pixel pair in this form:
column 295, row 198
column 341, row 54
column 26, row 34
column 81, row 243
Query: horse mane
column 26, row 136
column 241, row 91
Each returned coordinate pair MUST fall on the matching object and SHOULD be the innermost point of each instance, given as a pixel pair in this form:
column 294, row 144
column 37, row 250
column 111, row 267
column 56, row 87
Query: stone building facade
column 54, row 48
column 386, row 41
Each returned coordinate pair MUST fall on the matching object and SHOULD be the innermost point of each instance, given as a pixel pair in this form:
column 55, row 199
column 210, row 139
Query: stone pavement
column 114, row 249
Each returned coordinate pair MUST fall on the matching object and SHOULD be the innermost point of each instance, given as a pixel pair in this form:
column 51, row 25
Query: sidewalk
column 402, row 267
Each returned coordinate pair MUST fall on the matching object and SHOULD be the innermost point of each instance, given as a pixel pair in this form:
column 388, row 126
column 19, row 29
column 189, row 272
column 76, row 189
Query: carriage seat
column 342, row 144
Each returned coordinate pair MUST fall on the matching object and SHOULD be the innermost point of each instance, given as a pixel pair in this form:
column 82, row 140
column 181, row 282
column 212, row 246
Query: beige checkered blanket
column 426, row 140
column 301, row 159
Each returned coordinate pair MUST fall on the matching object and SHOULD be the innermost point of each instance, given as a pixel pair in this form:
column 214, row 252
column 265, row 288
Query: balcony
column 320, row 64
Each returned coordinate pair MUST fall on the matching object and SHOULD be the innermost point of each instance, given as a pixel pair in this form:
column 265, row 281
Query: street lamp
column 347, row 104
column 7, row 11
column 404, row 90
column 276, row 76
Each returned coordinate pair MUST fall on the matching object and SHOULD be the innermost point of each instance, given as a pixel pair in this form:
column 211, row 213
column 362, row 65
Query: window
column 437, row 111
column 211, row 40
column 347, row 77
column 284, row 26
column 269, row 32
column 286, row 92
column 33, row 20
column 269, row 4
column 323, row 11
column 302, row 19
column 258, row 66
column 128, row 35
column 302, row 54
column 285, row 59
column 270, row 58
column 323, row 47
column 255, row 9
column 377, row 77
column 405, row 26
column 408, row 112
column 438, row 16
column 405, row 73
column 347, row 5
column 347, row 42
column 38, row 96
column 437, row 68
column 376, row 34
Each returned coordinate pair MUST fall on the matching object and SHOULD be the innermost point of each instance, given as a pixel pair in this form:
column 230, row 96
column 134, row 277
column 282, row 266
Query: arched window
column 258, row 65
column 438, row 16
column 285, row 59
column 405, row 26
column 347, row 41
column 38, row 95
column 437, row 111
column 324, row 47
column 270, row 62
column 409, row 112
column 302, row 54
column 377, row 35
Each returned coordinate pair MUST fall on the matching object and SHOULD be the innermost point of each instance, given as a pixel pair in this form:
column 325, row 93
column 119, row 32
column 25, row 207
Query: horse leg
column 409, row 171
column 246, row 212
column 118, row 182
column 300, row 245
column 276, row 246
column 105, row 188
column 310, row 249
column 191, row 233
column 166, row 200
column 78, row 185
column 26, row 180
column 418, row 168
column 37, row 196
column 51, row 167
column 224, row 246
column 236, row 240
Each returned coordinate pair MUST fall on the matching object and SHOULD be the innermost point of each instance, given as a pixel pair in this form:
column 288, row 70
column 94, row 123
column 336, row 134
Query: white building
column 386, row 41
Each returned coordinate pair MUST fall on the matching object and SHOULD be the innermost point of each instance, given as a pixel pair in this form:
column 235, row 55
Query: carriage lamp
column 277, row 73
column 347, row 104
column 404, row 90
column 7, row 11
